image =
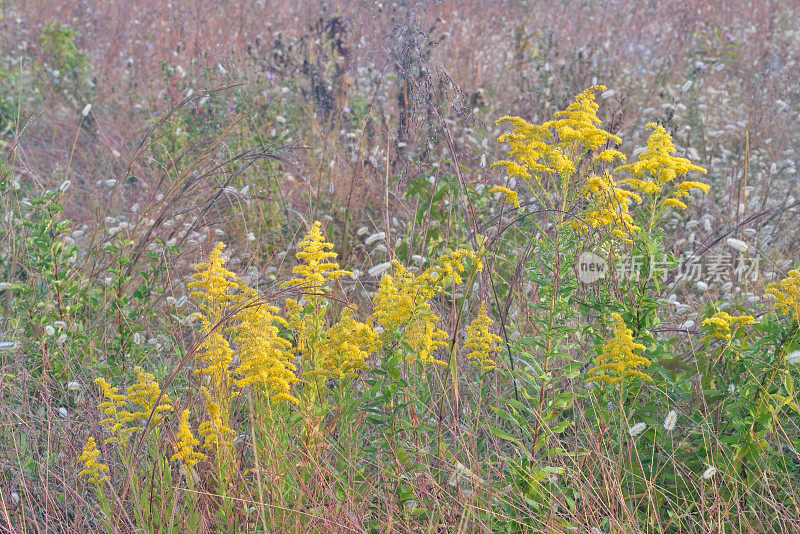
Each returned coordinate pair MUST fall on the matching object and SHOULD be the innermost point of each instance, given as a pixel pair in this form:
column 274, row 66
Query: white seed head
column 86, row 109
column 49, row 330
column 637, row 429
column 702, row 286
column 710, row 472
column 73, row 386
column 63, row 412
column 671, row 420
column 375, row 237
column 793, row 357
column 737, row 244
column 9, row 346
column 379, row 269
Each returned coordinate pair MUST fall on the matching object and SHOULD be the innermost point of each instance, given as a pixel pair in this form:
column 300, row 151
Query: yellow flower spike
column 619, row 358
column 723, row 325
column 511, row 197
column 657, row 166
column 215, row 432
column 213, row 287
column 95, row 471
column 213, row 284
column 266, row 358
column 579, row 122
column 346, row 346
column 610, row 205
column 674, row 203
column 113, row 408
column 403, row 305
column 315, row 270
column 787, row 293
column 143, row 395
column 481, row 342
column 186, row 443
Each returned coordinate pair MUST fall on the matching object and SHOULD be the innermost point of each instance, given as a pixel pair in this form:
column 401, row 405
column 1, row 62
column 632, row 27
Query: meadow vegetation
column 400, row 267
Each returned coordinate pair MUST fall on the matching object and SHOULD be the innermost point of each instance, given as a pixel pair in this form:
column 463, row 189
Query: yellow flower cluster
column 579, row 123
column 403, row 303
column 215, row 432
column 144, row 397
column 511, row 197
column 112, row 407
column 315, row 269
column 135, row 406
column 723, row 325
column 267, row 359
column 787, row 291
column 94, row 470
column 550, row 147
column 346, row 346
column 481, row 342
column 619, row 358
column 657, row 167
column 610, row 207
column 185, row 446
column 213, row 287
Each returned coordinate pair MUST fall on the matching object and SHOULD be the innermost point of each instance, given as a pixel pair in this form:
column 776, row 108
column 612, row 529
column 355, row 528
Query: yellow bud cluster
column 723, row 325
column 144, row 394
column 481, row 342
column 511, row 197
column 403, row 305
column 215, row 432
column 346, row 346
column 579, row 122
column 787, row 293
column 267, row 360
column 315, row 269
column 94, row 470
column 609, row 207
column 186, row 443
column 141, row 400
column 214, row 288
column 112, row 407
column 657, row 167
column 619, row 358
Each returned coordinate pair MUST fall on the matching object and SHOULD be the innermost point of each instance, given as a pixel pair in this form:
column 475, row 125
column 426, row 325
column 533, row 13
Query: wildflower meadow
column 427, row 266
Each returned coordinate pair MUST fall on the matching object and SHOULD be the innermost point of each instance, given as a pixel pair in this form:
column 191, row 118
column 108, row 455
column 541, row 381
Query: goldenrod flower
column 144, row 394
column 579, row 122
column 403, row 305
column 94, row 470
column 215, row 432
column 213, row 287
column 787, row 293
column 315, row 270
column 619, row 358
column 723, row 326
column 346, row 346
column 511, row 197
column 266, row 358
column 549, row 147
column 213, row 284
column 113, row 408
column 657, row 166
column 185, row 447
column 610, row 207
column 481, row 342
